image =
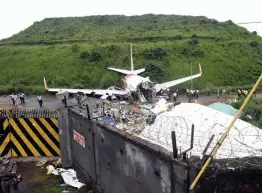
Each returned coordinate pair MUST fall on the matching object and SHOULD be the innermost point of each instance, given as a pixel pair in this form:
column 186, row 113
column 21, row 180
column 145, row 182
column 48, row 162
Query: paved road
column 50, row 102
column 32, row 103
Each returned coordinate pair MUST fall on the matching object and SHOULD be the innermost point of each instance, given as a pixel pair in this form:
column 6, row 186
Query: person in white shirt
column 22, row 98
column 40, row 100
column 175, row 96
column 197, row 93
column 12, row 98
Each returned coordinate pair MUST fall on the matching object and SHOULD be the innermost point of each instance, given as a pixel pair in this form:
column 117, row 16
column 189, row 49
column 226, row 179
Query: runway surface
column 50, row 102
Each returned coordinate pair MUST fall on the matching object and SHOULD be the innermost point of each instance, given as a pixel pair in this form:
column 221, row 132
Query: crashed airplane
column 135, row 87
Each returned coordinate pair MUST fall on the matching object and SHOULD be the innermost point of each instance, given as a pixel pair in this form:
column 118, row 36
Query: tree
column 95, row 57
column 254, row 32
column 254, row 44
column 156, row 53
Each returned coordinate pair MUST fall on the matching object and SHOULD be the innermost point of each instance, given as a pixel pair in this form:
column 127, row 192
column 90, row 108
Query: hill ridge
column 74, row 52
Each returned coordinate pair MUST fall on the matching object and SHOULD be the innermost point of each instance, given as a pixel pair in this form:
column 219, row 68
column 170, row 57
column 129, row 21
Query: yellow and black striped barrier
column 29, row 137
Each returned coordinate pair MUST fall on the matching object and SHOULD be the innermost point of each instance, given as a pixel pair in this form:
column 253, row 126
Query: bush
column 194, row 36
column 95, row 57
column 156, row 53
column 84, row 55
column 254, row 44
column 253, row 109
column 75, row 48
column 193, row 42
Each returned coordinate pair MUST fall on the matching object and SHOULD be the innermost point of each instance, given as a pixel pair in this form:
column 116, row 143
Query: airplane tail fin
column 131, row 58
column 46, row 86
column 199, row 69
column 131, row 71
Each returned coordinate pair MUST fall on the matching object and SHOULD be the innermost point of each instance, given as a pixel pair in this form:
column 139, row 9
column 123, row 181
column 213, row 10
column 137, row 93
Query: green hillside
column 74, row 52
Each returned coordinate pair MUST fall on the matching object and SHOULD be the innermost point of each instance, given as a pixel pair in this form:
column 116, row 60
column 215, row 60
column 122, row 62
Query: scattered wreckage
column 69, row 176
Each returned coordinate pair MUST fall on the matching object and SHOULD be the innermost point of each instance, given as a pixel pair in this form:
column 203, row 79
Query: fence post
column 88, row 112
column 173, row 133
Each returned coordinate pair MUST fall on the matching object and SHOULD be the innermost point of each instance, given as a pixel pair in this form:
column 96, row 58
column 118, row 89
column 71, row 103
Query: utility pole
column 191, row 77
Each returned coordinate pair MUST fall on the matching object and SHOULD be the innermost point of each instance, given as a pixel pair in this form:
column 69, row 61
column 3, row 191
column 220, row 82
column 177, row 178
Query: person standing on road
column 239, row 93
column 22, row 98
column 40, row 100
column 218, row 93
column 245, row 92
column 197, row 93
column 188, row 92
column 174, row 96
column 12, row 98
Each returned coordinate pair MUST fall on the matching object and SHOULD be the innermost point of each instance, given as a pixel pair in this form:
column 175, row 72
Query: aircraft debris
column 135, row 87
column 69, row 176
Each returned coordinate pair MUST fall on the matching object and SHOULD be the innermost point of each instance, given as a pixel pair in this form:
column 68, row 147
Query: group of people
column 224, row 93
column 22, row 99
column 192, row 94
column 9, row 176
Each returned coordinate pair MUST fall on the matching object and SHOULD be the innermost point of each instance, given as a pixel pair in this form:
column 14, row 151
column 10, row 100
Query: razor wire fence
column 243, row 144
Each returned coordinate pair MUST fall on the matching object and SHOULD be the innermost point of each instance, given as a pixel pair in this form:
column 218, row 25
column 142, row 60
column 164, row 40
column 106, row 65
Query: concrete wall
column 65, row 138
column 115, row 162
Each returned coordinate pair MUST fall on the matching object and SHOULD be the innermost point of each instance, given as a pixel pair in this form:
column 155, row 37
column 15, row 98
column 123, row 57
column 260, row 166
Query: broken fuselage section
column 139, row 88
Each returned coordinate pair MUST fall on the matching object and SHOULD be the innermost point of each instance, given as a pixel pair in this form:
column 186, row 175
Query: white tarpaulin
column 244, row 139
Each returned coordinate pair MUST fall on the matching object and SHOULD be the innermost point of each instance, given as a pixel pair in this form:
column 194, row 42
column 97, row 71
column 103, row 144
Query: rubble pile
column 132, row 118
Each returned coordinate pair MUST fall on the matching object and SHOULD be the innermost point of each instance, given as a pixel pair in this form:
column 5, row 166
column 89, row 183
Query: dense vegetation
column 252, row 113
column 74, row 52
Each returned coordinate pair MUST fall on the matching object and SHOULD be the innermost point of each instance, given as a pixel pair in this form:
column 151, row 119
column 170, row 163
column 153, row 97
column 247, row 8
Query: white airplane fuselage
column 131, row 82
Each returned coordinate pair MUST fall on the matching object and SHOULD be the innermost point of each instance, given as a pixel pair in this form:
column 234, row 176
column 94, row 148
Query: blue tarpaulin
column 225, row 108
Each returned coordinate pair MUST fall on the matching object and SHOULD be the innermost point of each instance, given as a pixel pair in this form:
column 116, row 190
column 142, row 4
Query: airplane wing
column 85, row 91
column 178, row 81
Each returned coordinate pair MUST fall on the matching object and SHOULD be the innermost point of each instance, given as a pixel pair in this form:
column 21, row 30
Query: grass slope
column 76, row 51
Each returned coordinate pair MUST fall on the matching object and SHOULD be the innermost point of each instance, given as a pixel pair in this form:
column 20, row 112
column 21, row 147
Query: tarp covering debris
column 244, row 139
column 224, row 108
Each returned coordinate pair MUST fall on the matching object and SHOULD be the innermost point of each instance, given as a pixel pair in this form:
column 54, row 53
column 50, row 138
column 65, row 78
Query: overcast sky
column 16, row 15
